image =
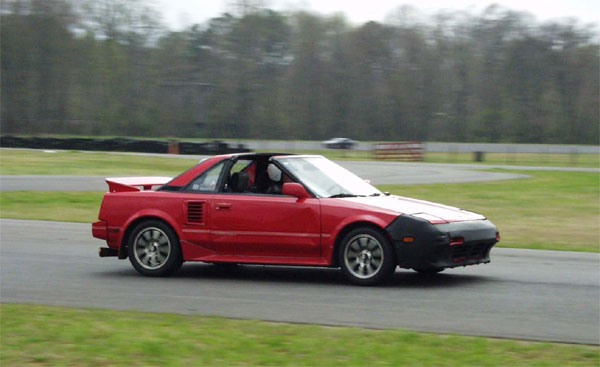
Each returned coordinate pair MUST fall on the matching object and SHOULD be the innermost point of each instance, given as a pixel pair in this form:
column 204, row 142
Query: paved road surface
column 527, row 294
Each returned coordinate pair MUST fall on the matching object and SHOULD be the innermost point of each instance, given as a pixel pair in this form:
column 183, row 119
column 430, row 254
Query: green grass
column 56, row 206
column 551, row 210
column 519, row 159
column 28, row 162
column 32, row 162
column 53, row 336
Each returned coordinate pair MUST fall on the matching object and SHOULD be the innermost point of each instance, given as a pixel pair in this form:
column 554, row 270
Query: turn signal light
column 497, row 236
column 408, row 239
column 457, row 241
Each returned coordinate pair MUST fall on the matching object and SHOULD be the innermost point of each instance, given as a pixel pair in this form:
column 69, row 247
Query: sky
column 179, row 14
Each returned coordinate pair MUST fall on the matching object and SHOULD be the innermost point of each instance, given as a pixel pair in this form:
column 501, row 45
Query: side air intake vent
column 195, row 212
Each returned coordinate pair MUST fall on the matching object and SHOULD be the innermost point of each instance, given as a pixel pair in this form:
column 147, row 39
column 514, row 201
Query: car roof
column 268, row 155
column 193, row 172
column 262, row 154
column 339, row 139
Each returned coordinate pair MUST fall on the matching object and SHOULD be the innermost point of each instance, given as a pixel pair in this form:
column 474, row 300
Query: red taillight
column 100, row 229
column 457, row 241
column 497, row 237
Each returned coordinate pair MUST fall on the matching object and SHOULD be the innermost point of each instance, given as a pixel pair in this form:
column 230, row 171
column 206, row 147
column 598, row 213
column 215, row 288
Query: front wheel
column 154, row 250
column 366, row 257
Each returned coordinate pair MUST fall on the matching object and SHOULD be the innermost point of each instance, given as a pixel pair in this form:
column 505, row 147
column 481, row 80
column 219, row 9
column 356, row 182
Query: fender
column 155, row 213
column 329, row 242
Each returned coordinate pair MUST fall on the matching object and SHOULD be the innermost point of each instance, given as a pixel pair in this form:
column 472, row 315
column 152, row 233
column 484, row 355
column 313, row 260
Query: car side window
column 240, row 166
column 235, row 183
column 207, row 182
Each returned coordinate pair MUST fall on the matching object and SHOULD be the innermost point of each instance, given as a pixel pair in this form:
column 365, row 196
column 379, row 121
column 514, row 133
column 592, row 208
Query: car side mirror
column 294, row 189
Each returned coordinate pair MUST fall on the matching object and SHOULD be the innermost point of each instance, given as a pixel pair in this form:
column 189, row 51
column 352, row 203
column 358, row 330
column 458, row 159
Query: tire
column 153, row 249
column 428, row 271
column 366, row 257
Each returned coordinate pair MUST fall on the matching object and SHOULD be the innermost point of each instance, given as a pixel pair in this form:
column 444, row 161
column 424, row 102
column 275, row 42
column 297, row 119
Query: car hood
column 432, row 212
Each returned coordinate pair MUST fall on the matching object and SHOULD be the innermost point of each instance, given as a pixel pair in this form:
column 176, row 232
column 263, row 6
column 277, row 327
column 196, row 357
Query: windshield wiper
column 375, row 194
column 343, row 195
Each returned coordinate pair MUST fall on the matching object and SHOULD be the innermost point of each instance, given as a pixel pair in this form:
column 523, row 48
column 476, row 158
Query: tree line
column 110, row 67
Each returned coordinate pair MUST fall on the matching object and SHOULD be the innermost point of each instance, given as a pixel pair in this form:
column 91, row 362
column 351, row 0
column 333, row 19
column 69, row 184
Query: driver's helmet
column 274, row 172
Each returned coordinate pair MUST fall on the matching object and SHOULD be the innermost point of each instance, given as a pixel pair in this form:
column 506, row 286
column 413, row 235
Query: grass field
column 59, row 206
column 32, row 162
column 550, row 210
column 519, row 159
column 53, row 336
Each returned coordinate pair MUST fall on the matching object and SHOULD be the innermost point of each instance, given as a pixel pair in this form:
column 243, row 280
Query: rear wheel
column 366, row 257
column 154, row 250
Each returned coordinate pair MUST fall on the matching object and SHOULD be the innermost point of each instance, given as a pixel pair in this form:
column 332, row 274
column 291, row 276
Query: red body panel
column 240, row 228
column 100, row 229
column 121, row 209
column 186, row 177
column 337, row 214
column 246, row 227
column 118, row 184
column 282, row 226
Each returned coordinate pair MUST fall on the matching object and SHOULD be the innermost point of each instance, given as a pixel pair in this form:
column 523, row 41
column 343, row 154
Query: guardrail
column 508, row 148
column 122, row 145
column 407, row 151
column 301, row 145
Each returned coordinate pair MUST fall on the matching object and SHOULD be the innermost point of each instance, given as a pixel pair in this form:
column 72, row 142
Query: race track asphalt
column 523, row 294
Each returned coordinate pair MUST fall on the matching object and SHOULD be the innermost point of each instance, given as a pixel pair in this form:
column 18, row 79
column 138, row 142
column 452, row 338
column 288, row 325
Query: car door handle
column 223, row 206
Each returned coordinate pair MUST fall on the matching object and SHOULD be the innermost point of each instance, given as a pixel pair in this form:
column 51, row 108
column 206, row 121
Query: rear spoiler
column 121, row 184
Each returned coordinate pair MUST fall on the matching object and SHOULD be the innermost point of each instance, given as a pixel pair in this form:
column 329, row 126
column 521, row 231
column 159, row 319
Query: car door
column 196, row 205
column 266, row 225
column 257, row 224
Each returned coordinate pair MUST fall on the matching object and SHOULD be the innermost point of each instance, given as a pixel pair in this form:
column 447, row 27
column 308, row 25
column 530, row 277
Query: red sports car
column 284, row 209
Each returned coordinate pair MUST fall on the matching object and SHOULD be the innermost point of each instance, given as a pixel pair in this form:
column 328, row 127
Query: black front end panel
column 422, row 245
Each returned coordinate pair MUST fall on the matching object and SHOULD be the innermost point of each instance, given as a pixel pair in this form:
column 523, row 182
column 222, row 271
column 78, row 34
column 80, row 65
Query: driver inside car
column 275, row 177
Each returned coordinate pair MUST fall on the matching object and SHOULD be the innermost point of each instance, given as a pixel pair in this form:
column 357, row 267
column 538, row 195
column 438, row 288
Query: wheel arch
column 347, row 229
column 133, row 222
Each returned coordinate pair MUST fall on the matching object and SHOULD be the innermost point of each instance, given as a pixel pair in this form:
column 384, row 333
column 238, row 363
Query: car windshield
column 327, row 179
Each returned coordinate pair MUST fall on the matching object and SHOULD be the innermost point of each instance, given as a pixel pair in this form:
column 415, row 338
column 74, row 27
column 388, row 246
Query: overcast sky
column 178, row 14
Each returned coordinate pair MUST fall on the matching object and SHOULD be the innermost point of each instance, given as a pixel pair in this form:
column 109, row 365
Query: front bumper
column 441, row 246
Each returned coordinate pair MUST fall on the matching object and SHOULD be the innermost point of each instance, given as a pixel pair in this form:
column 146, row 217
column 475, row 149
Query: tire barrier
column 122, row 145
column 211, row 148
column 408, row 151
